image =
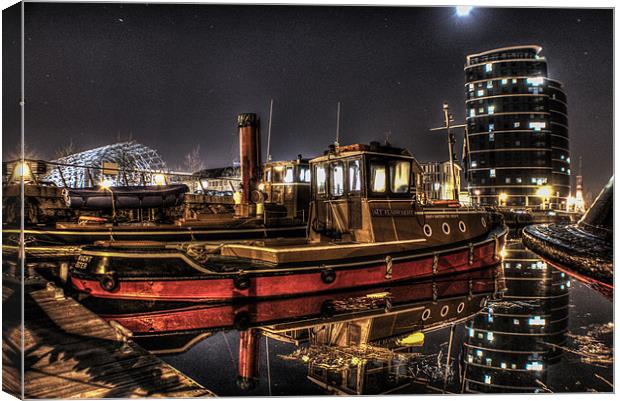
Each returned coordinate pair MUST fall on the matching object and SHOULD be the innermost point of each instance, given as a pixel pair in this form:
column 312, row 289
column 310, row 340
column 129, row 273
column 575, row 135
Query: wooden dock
column 70, row 352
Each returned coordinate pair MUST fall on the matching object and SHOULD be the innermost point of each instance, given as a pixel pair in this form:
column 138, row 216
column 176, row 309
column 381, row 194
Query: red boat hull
column 291, row 282
column 210, row 317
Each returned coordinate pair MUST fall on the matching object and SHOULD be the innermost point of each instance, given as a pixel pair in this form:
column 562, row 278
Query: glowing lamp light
column 503, row 197
column 106, row 184
column 463, row 11
column 22, row 170
column 159, row 179
column 544, row 192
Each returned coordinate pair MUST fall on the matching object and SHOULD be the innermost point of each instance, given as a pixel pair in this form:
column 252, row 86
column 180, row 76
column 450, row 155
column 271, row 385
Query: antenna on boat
column 269, row 132
column 337, row 143
column 448, row 118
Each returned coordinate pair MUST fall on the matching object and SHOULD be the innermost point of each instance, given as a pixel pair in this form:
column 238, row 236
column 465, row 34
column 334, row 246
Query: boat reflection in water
column 371, row 333
column 509, row 346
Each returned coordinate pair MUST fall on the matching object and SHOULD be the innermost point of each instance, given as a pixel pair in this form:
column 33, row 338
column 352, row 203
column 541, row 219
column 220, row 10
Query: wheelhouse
column 285, row 188
column 366, row 171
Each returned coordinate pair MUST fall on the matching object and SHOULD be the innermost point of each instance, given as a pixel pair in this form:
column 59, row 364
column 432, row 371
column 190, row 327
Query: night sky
column 175, row 76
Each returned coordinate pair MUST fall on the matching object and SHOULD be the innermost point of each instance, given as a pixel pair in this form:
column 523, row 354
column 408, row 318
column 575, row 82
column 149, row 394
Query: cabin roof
column 374, row 148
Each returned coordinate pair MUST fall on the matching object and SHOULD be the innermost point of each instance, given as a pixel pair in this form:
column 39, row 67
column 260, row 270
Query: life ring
column 109, row 282
column 242, row 282
column 328, row 276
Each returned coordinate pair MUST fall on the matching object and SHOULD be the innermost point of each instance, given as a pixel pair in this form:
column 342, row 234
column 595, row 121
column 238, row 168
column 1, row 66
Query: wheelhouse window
column 278, row 174
column 377, row 177
column 321, row 179
column 336, row 172
column 268, row 174
column 355, row 179
column 400, row 172
column 304, row 174
column 288, row 175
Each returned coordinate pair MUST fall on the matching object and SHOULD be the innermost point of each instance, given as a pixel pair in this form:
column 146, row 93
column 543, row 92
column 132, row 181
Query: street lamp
column 544, row 193
column 105, row 185
column 503, row 197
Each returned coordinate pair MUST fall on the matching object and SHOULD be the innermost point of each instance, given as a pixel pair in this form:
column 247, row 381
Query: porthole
column 426, row 314
column 484, row 222
column 444, row 310
column 462, row 226
column 461, row 307
column 428, row 231
column 445, row 227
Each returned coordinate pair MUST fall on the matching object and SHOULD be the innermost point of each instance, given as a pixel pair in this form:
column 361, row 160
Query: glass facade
column 517, row 130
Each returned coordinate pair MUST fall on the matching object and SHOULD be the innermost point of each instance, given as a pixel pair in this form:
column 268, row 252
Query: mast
column 451, row 141
column 337, row 143
column 269, row 132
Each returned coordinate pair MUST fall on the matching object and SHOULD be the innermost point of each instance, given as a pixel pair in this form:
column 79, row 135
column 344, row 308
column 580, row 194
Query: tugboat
column 584, row 250
column 274, row 206
column 367, row 227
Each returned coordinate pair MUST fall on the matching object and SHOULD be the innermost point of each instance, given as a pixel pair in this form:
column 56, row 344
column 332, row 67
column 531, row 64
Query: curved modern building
column 517, row 130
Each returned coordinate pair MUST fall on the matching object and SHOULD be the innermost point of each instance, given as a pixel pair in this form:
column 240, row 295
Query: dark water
column 520, row 327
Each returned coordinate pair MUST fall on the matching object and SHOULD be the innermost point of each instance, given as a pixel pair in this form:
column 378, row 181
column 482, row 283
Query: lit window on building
column 471, row 87
column 491, row 109
column 504, row 81
column 568, row 171
column 471, row 332
column 568, row 160
column 489, row 361
column 503, row 365
column 518, row 180
column 491, row 127
column 488, row 67
column 489, row 84
column 492, row 172
column 487, row 379
column 507, row 180
column 536, row 81
column 513, row 365
column 481, row 92
column 436, row 186
column 537, row 126
column 480, row 109
column 472, row 112
column 479, row 352
column 470, row 358
column 562, row 169
column 561, row 157
column 474, row 163
column 517, row 124
column 490, row 336
column 491, row 137
column 534, row 366
column 536, row 321
column 514, row 80
column 515, row 322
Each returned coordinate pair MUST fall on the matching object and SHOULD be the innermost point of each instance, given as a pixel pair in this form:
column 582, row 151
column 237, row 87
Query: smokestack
column 249, row 154
column 248, row 359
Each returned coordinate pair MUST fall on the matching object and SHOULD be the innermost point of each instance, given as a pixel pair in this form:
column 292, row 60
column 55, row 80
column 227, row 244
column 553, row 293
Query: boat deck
column 69, row 352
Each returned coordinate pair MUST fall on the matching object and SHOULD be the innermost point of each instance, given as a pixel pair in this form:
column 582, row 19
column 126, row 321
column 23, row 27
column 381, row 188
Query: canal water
column 519, row 327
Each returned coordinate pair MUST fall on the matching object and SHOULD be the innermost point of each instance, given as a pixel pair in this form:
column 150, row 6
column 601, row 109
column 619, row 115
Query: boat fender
column 242, row 282
column 242, row 321
column 328, row 276
column 327, row 308
column 109, row 281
